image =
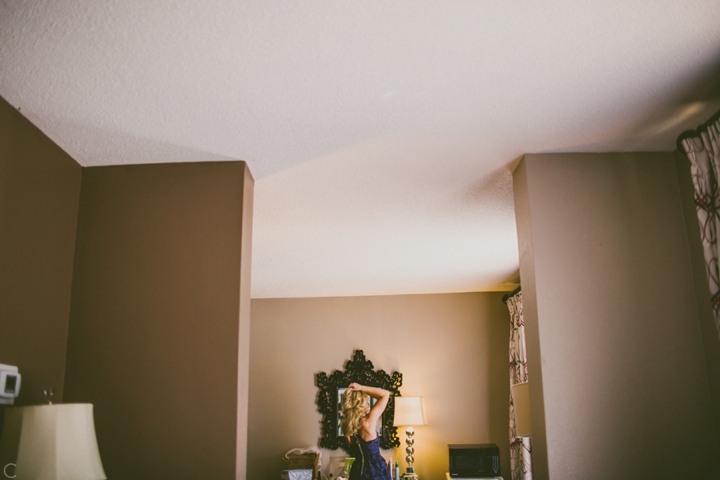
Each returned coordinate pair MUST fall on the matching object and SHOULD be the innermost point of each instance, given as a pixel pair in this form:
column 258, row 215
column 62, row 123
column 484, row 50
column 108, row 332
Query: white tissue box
column 297, row 475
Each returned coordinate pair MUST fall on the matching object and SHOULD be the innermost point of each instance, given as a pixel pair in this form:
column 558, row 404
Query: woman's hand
column 355, row 386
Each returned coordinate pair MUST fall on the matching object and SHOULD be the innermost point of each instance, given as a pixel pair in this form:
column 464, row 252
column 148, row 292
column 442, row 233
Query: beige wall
column 452, row 349
column 155, row 317
column 39, row 192
column 613, row 329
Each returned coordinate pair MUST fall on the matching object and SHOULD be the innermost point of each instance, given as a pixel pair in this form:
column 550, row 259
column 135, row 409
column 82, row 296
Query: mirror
column 341, row 399
column 330, row 397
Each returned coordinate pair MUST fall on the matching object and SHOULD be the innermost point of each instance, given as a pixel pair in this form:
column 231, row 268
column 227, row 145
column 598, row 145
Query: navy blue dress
column 368, row 464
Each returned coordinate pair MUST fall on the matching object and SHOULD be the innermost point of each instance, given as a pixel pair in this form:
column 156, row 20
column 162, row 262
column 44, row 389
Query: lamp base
column 409, row 476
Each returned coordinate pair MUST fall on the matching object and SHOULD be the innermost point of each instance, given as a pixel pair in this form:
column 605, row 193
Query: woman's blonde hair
column 353, row 409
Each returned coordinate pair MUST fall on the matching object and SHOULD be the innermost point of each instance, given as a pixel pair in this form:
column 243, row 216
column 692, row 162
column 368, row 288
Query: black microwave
column 473, row 461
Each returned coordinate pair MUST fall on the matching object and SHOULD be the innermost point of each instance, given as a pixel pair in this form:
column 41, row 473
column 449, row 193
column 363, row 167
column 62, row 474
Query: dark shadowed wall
column 615, row 340
column 39, row 193
column 711, row 340
column 452, row 349
column 154, row 340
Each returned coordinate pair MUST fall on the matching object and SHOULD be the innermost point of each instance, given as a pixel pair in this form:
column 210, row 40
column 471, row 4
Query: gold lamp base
column 410, row 450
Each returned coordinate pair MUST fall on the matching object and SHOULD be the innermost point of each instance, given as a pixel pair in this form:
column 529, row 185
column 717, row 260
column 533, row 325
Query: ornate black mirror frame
column 359, row 370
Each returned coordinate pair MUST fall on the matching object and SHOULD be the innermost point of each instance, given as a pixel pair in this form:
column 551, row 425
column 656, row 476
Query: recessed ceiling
column 381, row 134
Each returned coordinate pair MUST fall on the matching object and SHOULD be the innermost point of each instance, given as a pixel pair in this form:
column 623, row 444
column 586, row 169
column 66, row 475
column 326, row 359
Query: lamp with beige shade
column 50, row 442
column 521, row 402
column 409, row 412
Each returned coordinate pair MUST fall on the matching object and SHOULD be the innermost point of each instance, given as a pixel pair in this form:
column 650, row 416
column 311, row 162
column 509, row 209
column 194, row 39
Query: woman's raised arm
column 377, row 410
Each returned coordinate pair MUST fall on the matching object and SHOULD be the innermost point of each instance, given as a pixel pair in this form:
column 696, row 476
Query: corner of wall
column 244, row 329
column 530, row 312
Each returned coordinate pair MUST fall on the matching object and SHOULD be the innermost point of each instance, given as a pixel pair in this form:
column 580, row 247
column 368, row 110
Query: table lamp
column 409, row 412
column 51, row 442
column 521, row 402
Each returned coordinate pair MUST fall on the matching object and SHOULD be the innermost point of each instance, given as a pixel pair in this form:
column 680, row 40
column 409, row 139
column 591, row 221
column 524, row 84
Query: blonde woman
column 359, row 423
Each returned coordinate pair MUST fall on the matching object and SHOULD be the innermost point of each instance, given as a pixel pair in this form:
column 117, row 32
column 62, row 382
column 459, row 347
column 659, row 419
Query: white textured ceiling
column 381, row 133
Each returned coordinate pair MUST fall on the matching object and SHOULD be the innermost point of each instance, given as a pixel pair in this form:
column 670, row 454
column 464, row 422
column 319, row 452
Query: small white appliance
column 9, row 384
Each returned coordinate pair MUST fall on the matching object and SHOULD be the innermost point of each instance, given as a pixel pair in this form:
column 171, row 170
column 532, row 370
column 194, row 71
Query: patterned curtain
column 520, row 450
column 703, row 150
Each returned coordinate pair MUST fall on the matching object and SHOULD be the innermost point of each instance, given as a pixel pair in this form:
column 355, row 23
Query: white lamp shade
column 56, row 442
column 409, row 411
column 521, row 401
